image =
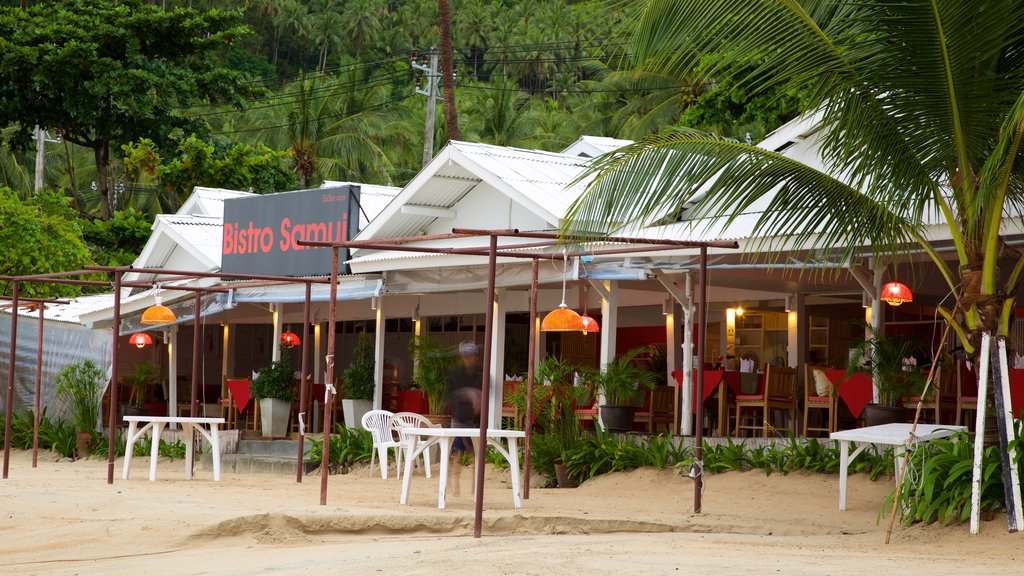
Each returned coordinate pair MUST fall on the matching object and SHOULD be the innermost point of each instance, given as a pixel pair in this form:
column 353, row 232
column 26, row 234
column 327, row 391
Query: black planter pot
column 563, row 477
column 877, row 414
column 618, row 418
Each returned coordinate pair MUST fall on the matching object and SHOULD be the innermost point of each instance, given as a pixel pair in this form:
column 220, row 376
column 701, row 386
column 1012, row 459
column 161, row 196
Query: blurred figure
column 464, row 393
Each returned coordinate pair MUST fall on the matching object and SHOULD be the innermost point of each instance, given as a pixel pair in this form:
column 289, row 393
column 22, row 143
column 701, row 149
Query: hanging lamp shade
column 589, row 324
column 158, row 314
column 140, row 339
column 289, row 339
column 896, row 293
column 561, row 319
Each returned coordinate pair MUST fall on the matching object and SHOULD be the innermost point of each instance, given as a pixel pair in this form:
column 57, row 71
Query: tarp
column 63, row 344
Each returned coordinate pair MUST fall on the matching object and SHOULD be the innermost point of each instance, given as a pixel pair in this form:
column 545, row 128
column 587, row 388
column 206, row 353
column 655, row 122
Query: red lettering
column 228, row 244
column 285, row 243
column 266, row 240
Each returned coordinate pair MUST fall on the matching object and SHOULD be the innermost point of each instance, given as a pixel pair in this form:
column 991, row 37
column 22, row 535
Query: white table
column 419, row 439
column 155, row 424
column 895, row 435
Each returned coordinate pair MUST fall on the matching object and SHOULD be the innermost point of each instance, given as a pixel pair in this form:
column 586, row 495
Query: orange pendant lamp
column 158, row 313
column 140, row 339
column 563, row 318
column 896, row 293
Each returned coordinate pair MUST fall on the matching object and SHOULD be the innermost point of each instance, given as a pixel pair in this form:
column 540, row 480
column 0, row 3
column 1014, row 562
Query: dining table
column 734, row 383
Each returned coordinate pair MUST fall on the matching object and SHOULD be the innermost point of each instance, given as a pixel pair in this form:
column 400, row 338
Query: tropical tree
column 921, row 107
column 108, row 72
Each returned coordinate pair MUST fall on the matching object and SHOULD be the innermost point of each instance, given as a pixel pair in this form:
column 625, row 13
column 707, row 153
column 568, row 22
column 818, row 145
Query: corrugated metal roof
column 593, row 146
column 372, row 198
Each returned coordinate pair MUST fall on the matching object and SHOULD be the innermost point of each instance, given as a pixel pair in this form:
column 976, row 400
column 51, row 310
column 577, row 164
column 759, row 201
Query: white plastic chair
column 378, row 422
column 412, row 420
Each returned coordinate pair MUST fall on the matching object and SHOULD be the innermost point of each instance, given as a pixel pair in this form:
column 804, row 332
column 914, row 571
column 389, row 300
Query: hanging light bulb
column 140, row 339
column 563, row 318
column 158, row 313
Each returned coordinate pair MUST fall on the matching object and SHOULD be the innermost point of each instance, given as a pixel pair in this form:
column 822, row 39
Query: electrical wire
column 321, row 118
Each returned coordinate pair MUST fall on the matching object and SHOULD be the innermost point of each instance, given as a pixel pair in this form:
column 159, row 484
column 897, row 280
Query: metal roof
column 372, row 198
column 592, row 146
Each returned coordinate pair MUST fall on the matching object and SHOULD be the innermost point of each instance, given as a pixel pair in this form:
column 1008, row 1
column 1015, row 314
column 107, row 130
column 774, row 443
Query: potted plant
column 358, row 382
column 432, row 361
column 80, row 387
column 622, row 383
column 142, row 380
column 555, row 399
column 887, row 358
column 274, row 390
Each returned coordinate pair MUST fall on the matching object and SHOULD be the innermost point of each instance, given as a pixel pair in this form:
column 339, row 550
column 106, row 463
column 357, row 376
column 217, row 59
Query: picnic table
column 419, row 439
column 895, row 435
column 155, row 425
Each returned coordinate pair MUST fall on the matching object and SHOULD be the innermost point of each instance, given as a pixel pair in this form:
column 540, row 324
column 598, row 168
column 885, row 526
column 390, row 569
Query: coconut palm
column 921, row 108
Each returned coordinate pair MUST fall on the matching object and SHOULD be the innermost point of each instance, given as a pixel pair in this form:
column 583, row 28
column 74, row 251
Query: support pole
column 303, row 386
column 530, row 369
column 1004, row 418
column 114, row 358
column 9, row 401
column 39, row 386
column 325, row 462
column 485, row 391
column 702, row 327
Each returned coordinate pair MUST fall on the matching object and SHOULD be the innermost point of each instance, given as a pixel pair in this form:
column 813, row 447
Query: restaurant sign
column 262, row 233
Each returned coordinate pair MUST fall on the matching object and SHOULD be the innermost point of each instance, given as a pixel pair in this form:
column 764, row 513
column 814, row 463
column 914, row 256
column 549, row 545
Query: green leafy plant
column 885, row 355
column 141, row 382
column 433, row 361
column 358, row 376
column 80, row 386
column 275, row 380
column 622, row 382
column 348, row 445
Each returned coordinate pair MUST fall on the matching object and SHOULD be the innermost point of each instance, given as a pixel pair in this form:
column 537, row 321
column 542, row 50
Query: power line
column 328, row 117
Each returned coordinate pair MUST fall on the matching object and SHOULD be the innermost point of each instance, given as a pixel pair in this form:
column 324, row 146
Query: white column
column 609, row 321
column 877, row 321
column 318, row 374
column 378, row 356
column 497, row 367
column 275, row 343
column 686, row 410
column 171, row 337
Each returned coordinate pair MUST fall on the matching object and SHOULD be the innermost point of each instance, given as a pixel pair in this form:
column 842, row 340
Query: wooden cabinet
column 762, row 336
column 817, row 340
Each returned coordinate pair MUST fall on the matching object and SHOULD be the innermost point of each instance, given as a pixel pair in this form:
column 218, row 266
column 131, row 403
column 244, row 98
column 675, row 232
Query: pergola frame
column 118, row 272
column 516, row 251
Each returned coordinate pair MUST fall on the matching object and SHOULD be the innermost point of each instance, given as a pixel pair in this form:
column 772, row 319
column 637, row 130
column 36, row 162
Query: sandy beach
column 63, row 518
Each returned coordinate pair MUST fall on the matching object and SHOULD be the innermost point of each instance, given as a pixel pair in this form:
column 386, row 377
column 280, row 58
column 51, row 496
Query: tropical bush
column 358, row 376
column 275, row 380
column 80, row 386
column 348, row 445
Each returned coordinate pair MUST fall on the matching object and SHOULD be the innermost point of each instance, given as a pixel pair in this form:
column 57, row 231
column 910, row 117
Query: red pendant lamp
column 140, row 339
column 589, row 324
column 289, row 339
column 896, row 293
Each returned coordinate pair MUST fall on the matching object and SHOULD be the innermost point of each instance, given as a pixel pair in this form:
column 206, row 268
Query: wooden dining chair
column 658, row 410
column 779, row 394
column 966, row 392
column 819, row 397
column 938, row 405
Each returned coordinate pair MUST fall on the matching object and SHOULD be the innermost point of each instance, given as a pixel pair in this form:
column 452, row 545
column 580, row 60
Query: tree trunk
column 999, row 405
column 451, row 116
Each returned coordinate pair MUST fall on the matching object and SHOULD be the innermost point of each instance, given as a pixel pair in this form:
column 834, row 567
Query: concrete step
column 251, row 464
column 281, row 448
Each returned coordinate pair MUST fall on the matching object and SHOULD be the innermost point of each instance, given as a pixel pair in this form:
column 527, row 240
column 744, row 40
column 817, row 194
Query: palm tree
column 921, row 107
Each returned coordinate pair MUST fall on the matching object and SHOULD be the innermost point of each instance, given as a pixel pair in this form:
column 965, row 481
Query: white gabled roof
column 372, row 198
column 593, row 146
column 208, row 201
column 482, row 186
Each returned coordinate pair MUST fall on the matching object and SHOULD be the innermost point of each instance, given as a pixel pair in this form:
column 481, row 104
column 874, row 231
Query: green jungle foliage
column 271, row 96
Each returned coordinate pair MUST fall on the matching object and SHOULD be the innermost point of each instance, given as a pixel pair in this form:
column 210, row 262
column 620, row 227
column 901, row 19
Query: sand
column 63, row 518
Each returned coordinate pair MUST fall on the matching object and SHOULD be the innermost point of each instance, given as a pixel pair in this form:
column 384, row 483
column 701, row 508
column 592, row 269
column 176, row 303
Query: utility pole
column 431, row 92
column 41, row 140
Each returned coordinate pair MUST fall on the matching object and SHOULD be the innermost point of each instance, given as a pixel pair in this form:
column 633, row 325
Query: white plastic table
column 419, row 439
column 895, row 435
column 189, row 426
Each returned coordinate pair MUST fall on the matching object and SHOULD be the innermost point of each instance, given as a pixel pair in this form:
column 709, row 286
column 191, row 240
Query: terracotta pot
column 563, row 477
column 83, row 441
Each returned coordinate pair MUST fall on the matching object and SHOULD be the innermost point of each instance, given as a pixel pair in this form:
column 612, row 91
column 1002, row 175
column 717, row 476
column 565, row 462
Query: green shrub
column 348, row 445
column 80, row 386
column 275, row 380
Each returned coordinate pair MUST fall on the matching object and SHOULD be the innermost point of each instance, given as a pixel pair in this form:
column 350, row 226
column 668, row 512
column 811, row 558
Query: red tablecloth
column 712, row 379
column 239, row 389
column 413, row 401
column 855, row 391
